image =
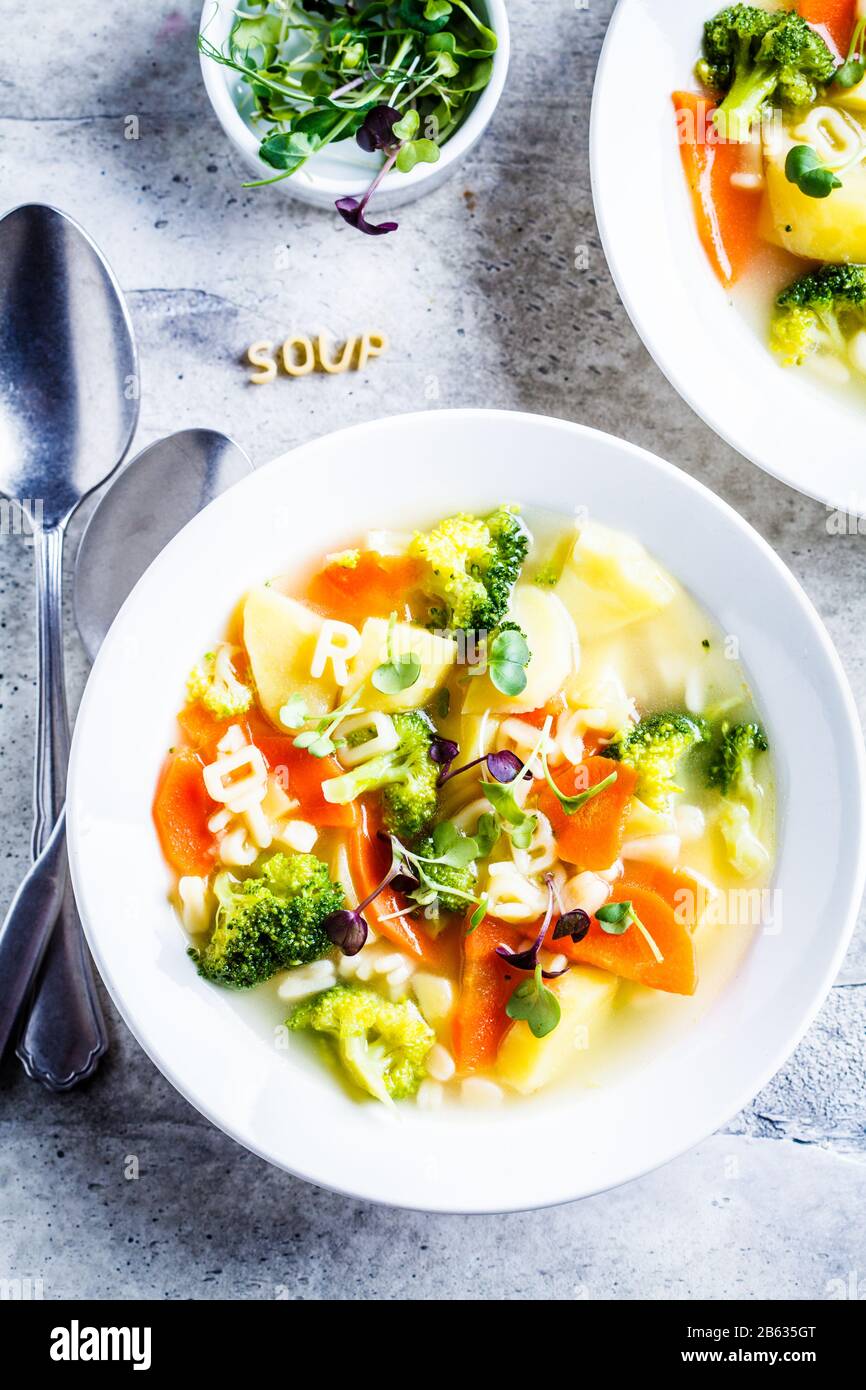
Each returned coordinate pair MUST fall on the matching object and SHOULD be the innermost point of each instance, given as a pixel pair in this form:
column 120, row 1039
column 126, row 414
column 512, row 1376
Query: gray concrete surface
column 482, row 304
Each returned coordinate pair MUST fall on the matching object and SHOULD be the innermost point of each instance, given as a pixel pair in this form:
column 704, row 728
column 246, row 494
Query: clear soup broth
column 474, row 812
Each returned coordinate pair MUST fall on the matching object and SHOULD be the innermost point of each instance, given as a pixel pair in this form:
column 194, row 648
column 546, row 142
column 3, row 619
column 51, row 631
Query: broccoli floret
column 461, row 881
column 732, row 773
column 383, row 1046
column 214, row 682
column 408, row 779
column 732, row 769
column 753, row 55
column 821, row 309
column 472, row 565
column 730, row 40
column 269, row 923
column 654, row 748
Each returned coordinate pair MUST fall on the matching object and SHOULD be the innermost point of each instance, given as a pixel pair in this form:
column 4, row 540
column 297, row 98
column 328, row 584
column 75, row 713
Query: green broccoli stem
column 737, row 114
column 370, row 776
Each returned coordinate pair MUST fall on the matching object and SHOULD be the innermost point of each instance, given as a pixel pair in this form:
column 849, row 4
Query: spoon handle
column 65, row 1033
column 52, row 718
column 27, row 927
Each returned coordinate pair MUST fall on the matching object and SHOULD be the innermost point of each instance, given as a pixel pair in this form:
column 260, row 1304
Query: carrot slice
column 677, row 887
column 181, row 810
column 836, row 17
column 630, row 955
column 487, row 984
column 202, row 729
column 727, row 217
column 369, row 861
column 538, row 717
column 376, row 587
column 300, row 774
column 592, row 837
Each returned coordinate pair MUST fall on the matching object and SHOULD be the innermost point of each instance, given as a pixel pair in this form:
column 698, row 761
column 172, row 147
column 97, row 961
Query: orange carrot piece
column 592, row 837
column 181, row 811
column 376, row 587
column 487, row 984
column 727, row 217
column 677, row 887
column 202, row 729
column 538, row 717
column 630, row 956
column 836, row 17
column 369, row 861
column 300, row 774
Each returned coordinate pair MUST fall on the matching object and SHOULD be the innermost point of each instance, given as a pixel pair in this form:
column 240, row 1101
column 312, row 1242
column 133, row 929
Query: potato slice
column 610, row 581
column 852, row 98
column 280, row 636
column 527, row 1063
column 436, row 654
column 555, row 655
column 822, row 229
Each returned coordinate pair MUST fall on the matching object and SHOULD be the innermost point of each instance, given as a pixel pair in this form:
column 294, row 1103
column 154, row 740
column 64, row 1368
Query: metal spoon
column 154, row 495
column 150, row 500
column 68, row 410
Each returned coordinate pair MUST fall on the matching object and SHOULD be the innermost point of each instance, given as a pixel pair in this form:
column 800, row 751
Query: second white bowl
column 344, row 170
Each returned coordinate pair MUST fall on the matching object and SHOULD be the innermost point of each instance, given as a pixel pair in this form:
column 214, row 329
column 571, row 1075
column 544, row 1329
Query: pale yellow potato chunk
column 527, row 1063
column 822, row 229
column 553, row 643
column 280, row 635
column 436, row 654
column 610, row 581
column 853, row 99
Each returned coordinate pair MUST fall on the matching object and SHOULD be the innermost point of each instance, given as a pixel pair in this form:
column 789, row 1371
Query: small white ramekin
column 344, row 170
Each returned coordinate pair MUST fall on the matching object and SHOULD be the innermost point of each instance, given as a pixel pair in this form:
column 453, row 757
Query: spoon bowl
column 69, row 383
column 151, row 499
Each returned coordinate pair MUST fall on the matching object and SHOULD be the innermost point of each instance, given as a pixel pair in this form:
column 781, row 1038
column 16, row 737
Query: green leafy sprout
column 617, row 918
column 446, row 867
column 508, row 656
column 311, row 72
column 519, row 825
column 319, row 741
column 401, row 670
column 572, row 804
column 853, row 70
column 805, row 168
column 535, row 1004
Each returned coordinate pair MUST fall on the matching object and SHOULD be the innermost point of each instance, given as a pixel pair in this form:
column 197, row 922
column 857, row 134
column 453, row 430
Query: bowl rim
column 723, row 423
column 850, row 736
column 465, row 136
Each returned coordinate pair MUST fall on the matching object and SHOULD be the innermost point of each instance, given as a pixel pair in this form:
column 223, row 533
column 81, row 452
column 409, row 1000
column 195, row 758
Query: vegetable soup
column 468, row 805
column 774, row 152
